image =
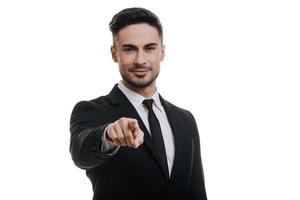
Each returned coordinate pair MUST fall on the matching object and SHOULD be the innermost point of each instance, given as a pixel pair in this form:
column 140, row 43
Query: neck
column 146, row 91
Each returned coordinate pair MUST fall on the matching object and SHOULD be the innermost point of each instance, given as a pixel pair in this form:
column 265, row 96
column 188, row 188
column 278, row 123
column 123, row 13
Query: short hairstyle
column 134, row 15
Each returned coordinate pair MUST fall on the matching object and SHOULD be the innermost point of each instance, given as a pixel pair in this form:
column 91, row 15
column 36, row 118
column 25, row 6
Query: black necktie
column 156, row 134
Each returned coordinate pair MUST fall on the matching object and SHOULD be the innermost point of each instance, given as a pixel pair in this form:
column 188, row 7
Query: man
column 132, row 143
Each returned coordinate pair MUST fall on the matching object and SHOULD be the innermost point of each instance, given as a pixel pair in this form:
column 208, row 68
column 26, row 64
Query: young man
column 132, row 143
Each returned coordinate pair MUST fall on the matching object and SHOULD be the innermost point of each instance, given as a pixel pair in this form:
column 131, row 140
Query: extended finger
column 125, row 126
column 129, row 138
column 135, row 129
column 133, row 125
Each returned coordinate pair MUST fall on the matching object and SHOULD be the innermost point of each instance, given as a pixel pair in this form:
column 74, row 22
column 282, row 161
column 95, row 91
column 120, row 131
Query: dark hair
column 134, row 15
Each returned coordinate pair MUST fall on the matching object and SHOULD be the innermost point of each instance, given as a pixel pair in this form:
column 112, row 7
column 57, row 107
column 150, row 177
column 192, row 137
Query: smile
column 140, row 72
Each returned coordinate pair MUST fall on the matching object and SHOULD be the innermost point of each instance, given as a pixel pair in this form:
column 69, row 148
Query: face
column 138, row 50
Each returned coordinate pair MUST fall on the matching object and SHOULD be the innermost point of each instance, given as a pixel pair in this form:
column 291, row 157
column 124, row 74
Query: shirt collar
column 137, row 100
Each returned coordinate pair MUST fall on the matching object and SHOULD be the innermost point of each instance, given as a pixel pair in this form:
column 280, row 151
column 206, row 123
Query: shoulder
column 91, row 105
column 179, row 112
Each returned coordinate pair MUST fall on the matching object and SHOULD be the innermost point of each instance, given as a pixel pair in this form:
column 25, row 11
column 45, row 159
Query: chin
column 140, row 83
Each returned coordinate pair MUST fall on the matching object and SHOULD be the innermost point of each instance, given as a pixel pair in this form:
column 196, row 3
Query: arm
column 197, row 188
column 89, row 145
column 87, row 128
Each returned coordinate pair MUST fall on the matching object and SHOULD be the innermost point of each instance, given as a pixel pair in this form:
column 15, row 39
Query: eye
column 128, row 49
column 150, row 48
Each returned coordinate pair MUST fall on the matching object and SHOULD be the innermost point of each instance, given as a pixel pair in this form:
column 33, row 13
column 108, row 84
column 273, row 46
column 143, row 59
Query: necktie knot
column 148, row 103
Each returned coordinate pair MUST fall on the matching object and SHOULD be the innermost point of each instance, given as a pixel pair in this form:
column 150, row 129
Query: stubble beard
column 141, row 82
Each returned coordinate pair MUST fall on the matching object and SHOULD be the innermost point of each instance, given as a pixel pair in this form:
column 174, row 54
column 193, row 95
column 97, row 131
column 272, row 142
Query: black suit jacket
column 135, row 174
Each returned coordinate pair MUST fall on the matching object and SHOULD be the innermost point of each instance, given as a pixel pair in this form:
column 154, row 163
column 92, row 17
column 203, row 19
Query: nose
column 140, row 58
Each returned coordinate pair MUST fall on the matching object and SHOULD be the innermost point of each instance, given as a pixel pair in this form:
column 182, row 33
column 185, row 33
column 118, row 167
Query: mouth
column 140, row 72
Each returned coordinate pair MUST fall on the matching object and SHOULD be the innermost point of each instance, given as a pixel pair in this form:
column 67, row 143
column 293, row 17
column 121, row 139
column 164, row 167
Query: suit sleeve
column 197, row 188
column 87, row 128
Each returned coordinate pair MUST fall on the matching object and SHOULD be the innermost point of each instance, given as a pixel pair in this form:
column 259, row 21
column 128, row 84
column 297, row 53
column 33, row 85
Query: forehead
column 138, row 34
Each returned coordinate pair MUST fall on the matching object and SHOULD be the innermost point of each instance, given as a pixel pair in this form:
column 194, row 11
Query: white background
column 234, row 64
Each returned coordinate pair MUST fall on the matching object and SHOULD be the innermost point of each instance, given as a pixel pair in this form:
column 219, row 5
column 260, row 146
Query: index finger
column 133, row 125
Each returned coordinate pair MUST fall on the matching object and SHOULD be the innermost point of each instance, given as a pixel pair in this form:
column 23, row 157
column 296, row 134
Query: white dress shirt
column 137, row 101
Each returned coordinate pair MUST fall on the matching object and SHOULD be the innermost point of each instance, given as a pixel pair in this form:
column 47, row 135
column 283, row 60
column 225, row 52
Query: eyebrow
column 128, row 46
column 133, row 46
column 151, row 44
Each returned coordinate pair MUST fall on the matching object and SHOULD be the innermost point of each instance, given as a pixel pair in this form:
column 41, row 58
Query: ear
column 114, row 53
column 162, row 57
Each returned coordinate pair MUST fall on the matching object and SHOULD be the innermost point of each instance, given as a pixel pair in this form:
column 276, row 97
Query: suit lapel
column 183, row 160
column 126, row 109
